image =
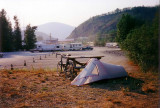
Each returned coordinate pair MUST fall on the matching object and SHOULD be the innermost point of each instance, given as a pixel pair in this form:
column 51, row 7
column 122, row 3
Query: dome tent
column 97, row 70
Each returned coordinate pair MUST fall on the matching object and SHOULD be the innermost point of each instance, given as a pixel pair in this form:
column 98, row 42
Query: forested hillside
column 104, row 26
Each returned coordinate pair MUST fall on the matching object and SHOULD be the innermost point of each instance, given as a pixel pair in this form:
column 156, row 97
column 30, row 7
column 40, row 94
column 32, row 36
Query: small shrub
column 13, row 77
column 10, row 72
column 44, row 88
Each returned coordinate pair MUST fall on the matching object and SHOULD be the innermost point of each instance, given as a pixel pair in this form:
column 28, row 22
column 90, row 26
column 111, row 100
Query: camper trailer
column 49, row 47
column 72, row 46
column 43, row 47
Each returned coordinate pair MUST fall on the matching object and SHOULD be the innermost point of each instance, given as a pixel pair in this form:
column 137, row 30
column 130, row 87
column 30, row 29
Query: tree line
column 106, row 23
column 137, row 34
column 140, row 40
column 11, row 38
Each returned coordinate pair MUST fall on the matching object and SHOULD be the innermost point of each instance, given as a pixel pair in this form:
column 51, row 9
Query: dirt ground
column 41, row 87
column 49, row 60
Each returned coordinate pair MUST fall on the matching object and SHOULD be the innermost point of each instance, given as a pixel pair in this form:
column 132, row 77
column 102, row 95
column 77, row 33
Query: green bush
column 142, row 47
column 141, row 44
column 99, row 40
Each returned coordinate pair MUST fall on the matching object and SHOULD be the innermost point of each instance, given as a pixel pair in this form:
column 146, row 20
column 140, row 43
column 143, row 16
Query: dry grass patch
column 44, row 88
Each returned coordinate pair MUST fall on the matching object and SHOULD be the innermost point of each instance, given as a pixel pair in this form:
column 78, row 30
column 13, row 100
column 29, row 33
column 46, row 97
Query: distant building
column 51, row 41
column 65, row 41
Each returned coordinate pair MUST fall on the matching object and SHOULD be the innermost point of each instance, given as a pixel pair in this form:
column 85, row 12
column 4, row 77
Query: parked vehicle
column 47, row 47
column 87, row 48
column 112, row 45
column 41, row 47
column 72, row 46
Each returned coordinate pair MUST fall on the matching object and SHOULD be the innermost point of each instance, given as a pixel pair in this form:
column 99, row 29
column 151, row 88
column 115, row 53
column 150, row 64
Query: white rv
column 42, row 47
column 72, row 46
column 49, row 47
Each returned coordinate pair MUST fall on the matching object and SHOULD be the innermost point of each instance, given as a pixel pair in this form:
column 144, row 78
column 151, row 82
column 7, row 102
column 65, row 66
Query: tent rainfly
column 97, row 70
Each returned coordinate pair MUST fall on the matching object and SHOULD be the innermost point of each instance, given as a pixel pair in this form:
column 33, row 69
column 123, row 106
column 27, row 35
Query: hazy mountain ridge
column 107, row 22
column 57, row 30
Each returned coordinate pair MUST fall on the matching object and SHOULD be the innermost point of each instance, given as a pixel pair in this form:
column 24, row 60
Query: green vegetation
column 105, row 26
column 30, row 37
column 140, row 41
column 99, row 40
column 6, row 32
column 11, row 39
column 135, row 29
column 125, row 25
column 17, row 35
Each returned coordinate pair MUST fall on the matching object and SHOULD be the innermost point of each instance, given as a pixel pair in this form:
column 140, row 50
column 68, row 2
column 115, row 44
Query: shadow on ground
column 125, row 84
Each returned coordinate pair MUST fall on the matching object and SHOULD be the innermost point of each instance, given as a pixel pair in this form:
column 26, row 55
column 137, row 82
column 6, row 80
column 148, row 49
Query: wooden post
column 25, row 64
column 56, row 55
column 45, row 56
column 33, row 60
column 40, row 58
column 61, row 63
column 11, row 67
column 0, row 34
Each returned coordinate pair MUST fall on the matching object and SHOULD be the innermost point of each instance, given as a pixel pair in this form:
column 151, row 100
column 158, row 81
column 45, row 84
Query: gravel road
column 49, row 60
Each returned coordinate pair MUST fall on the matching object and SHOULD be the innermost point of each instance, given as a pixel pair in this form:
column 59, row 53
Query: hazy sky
column 72, row 12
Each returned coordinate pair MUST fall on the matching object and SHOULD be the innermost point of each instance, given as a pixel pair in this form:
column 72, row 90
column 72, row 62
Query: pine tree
column 125, row 25
column 141, row 44
column 7, row 35
column 30, row 37
column 17, row 35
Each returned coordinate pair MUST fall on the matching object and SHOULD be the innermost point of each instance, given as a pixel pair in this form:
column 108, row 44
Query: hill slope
column 57, row 30
column 106, row 23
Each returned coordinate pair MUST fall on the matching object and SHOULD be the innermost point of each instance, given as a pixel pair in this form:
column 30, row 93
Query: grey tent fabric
column 97, row 70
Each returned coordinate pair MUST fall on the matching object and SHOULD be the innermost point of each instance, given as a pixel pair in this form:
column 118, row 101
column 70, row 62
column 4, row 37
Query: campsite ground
column 42, row 87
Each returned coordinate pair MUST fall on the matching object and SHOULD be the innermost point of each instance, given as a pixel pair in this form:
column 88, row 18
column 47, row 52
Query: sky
column 71, row 12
